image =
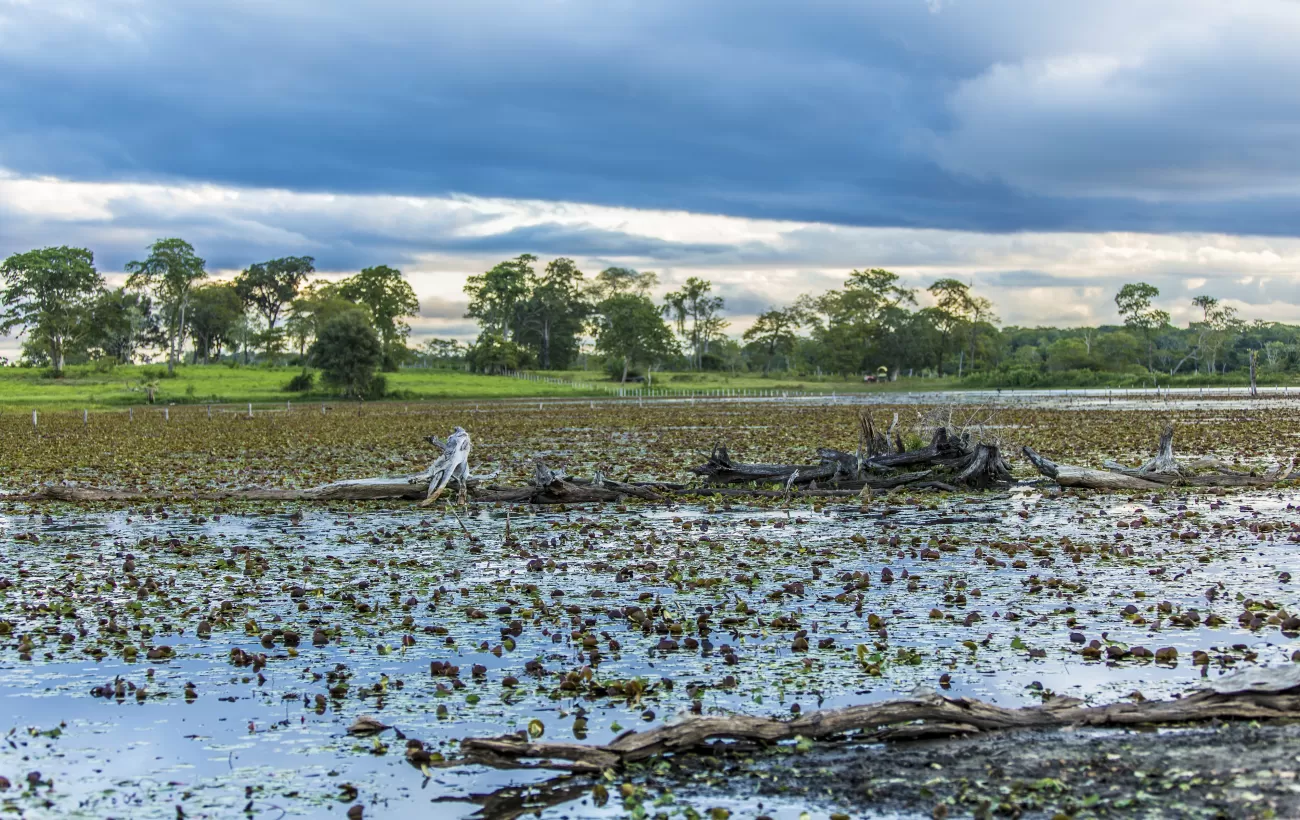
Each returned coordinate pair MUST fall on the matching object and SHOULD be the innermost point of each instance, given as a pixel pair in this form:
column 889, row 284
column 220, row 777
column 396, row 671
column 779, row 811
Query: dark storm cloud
column 1030, row 279
column 581, row 240
column 999, row 116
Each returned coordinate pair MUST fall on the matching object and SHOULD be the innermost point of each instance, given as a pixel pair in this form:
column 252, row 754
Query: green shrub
column 301, row 383
column 348, row 352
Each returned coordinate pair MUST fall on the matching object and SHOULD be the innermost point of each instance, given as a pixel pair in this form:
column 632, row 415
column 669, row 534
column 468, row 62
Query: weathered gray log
column 452, row 464
column 1068, row 475
column 1163, row 461
column 1268, row 694
column 1161, row 471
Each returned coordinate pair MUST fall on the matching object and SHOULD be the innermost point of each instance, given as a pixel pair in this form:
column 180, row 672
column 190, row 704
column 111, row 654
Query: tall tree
column 775, row 331
column 959, row 309
column 495, row 297
column 552, row 317
column 170, row 271
column 849, row 323
column 696, row 315
column 48, row 293
column 616, row 281
column 630, row 327
column 215, row 314
column 268, row 287
column 390, row 299
column 1134, row 303
column 1219, row 323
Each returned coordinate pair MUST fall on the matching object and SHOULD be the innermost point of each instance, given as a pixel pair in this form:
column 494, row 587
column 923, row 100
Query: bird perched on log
column 452, row 464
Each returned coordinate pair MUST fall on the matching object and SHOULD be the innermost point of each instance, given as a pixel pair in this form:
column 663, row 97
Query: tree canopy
column 390, row 299
column 170, row 272
column 48, row 293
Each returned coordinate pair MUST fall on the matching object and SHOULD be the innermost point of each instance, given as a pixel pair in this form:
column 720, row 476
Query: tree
column 389, row 298
column 215, row 314
column 316, row 304
column 348, row 351
column 268, row 286
column 631, row 328
column 444, row 351
column 551, row 319
column 1134, row 303
column 170, row 271
column 1218, row 325
column 775, row 331
column 122, row 322
column 495, row 297
column 48, row 293
column 695, row 314
column 854, row 324
column 617, row 281
column 494, row 353
column 959, row 309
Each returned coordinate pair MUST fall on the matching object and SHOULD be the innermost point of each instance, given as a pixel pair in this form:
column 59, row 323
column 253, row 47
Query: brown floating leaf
column 367, row 725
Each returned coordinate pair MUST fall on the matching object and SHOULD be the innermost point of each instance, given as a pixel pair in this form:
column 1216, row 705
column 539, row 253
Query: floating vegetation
column 223, row 656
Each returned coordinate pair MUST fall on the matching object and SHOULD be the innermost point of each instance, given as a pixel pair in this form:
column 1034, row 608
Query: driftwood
column 1256, row 694
column 949, row 460
column 947, row 463
column 452, row 464
column 1161, row 471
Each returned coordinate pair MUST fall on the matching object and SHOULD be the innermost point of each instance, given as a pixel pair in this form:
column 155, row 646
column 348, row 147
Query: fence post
column 130, row 414
column 209, row 411
column 167, row 414
column 85, row 417
column 34, row 426
column 250, row 409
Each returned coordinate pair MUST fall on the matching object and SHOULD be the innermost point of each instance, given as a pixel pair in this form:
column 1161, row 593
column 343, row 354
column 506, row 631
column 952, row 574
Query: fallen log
column 1068, row 475
column 1159, row 472
column 1256, row 694
column 959, row 462
column 838, row 474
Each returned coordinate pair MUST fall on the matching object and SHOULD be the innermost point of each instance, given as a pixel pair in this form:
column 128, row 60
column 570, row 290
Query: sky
column 1044, row 152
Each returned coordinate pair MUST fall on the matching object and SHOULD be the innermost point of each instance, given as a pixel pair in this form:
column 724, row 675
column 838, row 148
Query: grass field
column 93, row 388
column 123, row 386
column 717, row 380
column 218, row 384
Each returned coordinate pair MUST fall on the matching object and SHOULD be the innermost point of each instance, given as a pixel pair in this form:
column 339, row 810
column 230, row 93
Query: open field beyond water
column 204, row 660
column 122, row 386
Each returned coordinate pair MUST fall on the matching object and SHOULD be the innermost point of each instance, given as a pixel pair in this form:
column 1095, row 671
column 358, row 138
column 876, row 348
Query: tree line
column 554, row 317
column 873, row 325
column 65, row 312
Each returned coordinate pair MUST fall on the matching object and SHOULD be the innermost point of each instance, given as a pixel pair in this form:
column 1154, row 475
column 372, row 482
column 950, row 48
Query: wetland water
column 579, row 624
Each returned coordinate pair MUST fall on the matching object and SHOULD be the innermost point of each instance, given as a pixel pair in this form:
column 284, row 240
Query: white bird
column 452, row 464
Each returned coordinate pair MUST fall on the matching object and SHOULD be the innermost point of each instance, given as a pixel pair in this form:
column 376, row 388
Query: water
column 258, row 736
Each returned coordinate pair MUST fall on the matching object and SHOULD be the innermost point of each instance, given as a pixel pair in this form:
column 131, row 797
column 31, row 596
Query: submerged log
column 1256, row 694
